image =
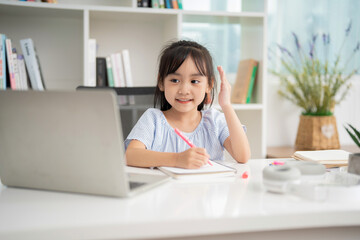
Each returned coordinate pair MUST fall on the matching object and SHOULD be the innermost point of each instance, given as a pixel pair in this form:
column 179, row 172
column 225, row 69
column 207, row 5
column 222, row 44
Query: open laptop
column 66, row 141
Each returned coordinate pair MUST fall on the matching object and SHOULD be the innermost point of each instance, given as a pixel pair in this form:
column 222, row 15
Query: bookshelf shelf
column 61, row 33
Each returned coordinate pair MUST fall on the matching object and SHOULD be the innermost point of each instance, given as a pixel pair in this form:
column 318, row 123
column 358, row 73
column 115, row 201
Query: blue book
column 168, row 4
column 2, row 62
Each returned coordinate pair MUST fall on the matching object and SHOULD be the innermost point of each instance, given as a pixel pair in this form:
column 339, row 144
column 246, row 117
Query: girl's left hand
column 225, row 89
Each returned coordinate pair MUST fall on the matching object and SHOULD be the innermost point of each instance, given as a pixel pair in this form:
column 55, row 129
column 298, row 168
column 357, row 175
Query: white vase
column 354, row 163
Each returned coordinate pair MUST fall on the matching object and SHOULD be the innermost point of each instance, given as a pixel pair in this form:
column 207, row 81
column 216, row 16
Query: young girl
column 185, row 84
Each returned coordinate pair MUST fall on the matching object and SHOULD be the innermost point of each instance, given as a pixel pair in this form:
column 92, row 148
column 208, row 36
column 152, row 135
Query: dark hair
column 171, row 58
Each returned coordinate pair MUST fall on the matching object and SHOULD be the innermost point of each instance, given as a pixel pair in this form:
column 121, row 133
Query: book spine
column 2, row 62
column 117, row 72
column 162, row 3
column 168, row 4
column 155, row 4
column 120, row 69
column 41, row 78
column 10, row 63
column 174, row 4
column 101, row 78
column 109, row 69
column 242, row 82
column 32, row 64
column 180, row 4
column 127, row 68
column 251, row 84
column 139, row 3
column 127, row 71
column 91, row 80
column 22, row 72
column 114, row 69
column 145, row 3
column 18, row 85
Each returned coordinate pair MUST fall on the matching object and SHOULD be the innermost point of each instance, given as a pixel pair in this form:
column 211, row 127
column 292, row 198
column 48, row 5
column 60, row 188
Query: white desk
column 225, row 209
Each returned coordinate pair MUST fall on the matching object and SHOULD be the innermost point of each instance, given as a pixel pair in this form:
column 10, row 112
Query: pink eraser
column 278, row 163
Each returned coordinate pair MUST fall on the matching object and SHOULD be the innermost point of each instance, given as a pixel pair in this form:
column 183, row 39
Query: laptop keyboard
column 134, row 185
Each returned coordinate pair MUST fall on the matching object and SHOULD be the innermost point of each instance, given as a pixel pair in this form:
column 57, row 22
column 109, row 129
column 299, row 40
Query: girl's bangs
column 198, row 59
column 181, row 55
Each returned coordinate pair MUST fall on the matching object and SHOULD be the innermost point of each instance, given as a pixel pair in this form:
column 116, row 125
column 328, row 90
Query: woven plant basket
column 317, row 133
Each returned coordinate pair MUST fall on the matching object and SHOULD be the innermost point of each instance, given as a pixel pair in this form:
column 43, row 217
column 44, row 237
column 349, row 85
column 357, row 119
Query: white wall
column 283, row 116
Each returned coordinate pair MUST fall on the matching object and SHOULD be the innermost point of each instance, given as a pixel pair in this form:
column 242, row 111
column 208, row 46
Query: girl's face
column 185, row 89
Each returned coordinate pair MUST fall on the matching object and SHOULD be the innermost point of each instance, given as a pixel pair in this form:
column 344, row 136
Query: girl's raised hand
column 225, row 89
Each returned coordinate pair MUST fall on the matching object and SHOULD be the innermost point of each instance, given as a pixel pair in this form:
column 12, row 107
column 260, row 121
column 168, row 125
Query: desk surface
column 174, row 209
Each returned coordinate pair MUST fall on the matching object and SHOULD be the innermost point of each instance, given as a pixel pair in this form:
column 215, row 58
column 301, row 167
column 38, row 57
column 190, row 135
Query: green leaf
column 355, row 130
column 353, row 137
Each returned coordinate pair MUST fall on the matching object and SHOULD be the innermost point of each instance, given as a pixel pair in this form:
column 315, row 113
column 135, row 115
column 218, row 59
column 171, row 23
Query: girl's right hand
column 192, row 158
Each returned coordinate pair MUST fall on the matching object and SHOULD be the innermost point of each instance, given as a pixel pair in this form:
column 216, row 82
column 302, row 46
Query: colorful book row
column 19, row 71
column 171, row 4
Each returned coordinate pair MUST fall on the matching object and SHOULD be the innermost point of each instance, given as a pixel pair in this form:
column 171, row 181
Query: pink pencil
column 187, row 141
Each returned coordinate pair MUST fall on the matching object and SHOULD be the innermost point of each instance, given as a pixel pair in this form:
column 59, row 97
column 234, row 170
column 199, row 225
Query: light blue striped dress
column 153, row 130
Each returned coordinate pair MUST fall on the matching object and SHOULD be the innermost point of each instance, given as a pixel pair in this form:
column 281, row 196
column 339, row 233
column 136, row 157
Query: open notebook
column 206, row 171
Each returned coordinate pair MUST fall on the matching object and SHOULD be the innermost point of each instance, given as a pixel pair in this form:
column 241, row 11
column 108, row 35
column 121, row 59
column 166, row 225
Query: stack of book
column 171, row 4
column 245, row 80
column 113, row 70
column 17, row 69
column 330, row 158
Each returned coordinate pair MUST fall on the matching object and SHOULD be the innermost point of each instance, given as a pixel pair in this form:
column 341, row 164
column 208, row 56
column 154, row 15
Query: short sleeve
column 221, row 125
column 144, row 129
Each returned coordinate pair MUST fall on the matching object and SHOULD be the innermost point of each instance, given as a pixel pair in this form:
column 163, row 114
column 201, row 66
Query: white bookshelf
column 61, row 32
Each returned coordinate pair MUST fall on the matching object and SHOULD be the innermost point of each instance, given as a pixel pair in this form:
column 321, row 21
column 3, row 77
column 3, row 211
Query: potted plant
column 316, row 85
column 354, row 159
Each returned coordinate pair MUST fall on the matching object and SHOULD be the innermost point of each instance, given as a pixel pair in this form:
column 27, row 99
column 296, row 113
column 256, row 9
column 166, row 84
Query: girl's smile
column 183, row 101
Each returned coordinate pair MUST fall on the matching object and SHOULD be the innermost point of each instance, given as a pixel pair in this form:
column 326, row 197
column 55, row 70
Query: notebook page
column 204, row 169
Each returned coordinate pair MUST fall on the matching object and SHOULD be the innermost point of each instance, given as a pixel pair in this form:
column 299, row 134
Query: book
column 127, row 72
column 139, row 3
column 22, row 72
column 18, row 84
column 146, row 3
column 180, row 4
column 251, row 84
column 168, row 3
column 162, row 3
column 32, row 64
column 155, row 4
column 2, row 62
column 330, row 158
column 175, row 4
column 206, row 171
column 118, row 69
column 110, row 76
column 90, row 80
column 244, row 77
column 118, row 73
column 10, row 63
column 101, row 78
